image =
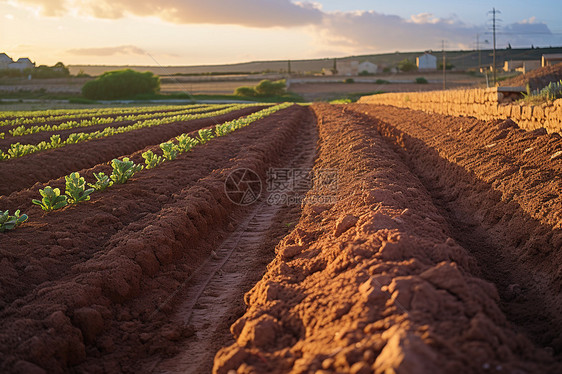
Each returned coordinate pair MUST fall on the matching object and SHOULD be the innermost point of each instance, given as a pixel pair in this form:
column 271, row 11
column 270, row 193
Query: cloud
column 368, row 30
column 528, row 32
column 107, row 51
column 349, row 32
column 251, row 13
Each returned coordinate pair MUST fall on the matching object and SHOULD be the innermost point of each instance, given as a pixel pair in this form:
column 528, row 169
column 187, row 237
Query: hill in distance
column 461, row 60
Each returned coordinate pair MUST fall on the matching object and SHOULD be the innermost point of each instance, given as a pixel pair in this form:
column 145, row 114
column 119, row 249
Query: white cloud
column 107, row 51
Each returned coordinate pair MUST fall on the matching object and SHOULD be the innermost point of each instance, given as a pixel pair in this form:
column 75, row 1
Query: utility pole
column 444, row 64
column 479, row 54
column 494, row 12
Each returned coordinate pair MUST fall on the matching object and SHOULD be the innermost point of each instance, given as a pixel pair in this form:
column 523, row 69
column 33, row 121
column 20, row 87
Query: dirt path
column 214, row 295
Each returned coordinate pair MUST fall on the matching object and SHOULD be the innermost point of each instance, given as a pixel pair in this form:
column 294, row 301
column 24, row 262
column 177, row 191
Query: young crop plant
column 3, row 156
column 102, row 182
column 8, row 222
column 76, row 189
column 52, row 199
column 185, row 142
column 123, row 170
column 169, row 150
column 55, row 141
column 151, row 159
column 224, row 129
column 205, row 135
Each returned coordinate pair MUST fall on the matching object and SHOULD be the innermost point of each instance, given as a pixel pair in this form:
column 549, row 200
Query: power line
column 494, row 12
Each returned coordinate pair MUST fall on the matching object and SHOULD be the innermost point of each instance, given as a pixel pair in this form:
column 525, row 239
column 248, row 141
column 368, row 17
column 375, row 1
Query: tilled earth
column 442, row 254
column 439, row 251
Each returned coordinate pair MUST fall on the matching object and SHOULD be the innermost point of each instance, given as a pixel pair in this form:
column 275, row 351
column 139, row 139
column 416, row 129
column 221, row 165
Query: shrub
column 245, row 91
column 381, row 81
column 349, row 80
column 421, row 80
column 121, row 84
column 264, row 88
column 407, row 65
column 269, row 88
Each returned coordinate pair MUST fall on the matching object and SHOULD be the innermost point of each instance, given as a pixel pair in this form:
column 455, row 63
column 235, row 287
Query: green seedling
column 102, row 182
column 8, row 222
column 55, row 141
column 151, row 159
column 76, row 189
column 52, row 199
column 169, row 150
column 186, row 143
column 205, row 135
column 18, row 150
column 123, row 170
column 3, row 156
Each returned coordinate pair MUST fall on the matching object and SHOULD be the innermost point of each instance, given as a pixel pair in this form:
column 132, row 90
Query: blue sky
column 189, row 32
column 472, row 11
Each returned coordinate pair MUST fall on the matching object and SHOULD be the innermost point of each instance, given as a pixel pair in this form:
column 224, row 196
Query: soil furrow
column 213, row 293
column 490, row 227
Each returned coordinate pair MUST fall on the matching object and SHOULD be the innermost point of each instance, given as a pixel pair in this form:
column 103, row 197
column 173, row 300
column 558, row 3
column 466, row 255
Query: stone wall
column 485, row 104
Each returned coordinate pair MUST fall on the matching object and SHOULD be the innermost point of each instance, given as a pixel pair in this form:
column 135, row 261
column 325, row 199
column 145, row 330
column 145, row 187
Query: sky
column 194, row 32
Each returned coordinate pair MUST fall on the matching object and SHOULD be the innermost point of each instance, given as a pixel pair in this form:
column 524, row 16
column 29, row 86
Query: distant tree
column 406, row 65
column 121, row 84
column 448, row 65
column 265, row 88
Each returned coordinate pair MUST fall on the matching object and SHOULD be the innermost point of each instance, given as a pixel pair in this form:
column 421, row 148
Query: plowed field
column 322, row 239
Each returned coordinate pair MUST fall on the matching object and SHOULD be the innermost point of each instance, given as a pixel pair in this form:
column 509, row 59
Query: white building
column 22, row 64
column 348, row 68
column 367, row 66
column 5, row 61
column 551, row 59
column 523, row 66
column 426, row 62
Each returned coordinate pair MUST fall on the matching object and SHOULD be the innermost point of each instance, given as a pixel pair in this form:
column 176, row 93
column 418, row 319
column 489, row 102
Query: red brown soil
column 81, row 286
column 537, row 79
column 52, row 164
column 389, row 278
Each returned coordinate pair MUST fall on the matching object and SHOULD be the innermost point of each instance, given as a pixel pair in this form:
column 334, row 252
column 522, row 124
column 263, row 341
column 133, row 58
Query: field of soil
column 399, row 242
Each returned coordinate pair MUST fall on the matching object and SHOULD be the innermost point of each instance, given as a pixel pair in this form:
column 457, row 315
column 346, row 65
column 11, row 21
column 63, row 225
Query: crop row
column 23, row 130
column 123, row 170
column 18, row 150
column 14, row 118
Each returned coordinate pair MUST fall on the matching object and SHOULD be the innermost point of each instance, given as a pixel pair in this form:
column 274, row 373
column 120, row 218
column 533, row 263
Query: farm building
column 551, row 59
column 5, row 61
column 523, row 66
column 367, row 66
column 22, row 64
column 426, row 62
column 348, row 67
